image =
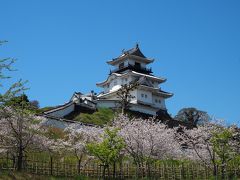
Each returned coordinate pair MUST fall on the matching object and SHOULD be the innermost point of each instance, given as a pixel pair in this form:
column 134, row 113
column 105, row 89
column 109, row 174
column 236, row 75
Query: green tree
column 192, row 115
column 14, row 89
column 22, row 101
column 17, row 123
column 223, row 145
column 109, row 150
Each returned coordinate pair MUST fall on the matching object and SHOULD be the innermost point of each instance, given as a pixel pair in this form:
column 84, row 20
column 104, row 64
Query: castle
column 131, row 66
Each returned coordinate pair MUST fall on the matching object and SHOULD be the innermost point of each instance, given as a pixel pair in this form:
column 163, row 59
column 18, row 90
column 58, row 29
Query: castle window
column 145, row 96
column 156, row 101
column 121, row 65
column 142, row 95
column 159, row 101
column 137, row 65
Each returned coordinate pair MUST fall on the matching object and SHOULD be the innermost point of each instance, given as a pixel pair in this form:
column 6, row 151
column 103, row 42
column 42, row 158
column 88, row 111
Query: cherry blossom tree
column 18, row 132
column 198, row 145
column 147, row 140
column 52, row 146
column 236, row 138
column 76, row 140
column 211, row 143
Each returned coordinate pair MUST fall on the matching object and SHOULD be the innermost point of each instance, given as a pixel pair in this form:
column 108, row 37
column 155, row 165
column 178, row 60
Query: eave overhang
column 156, row 91
column 128, row 56
column 134, row 73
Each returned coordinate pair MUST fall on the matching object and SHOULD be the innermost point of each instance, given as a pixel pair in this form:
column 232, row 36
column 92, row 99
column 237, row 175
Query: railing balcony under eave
column 133, row 68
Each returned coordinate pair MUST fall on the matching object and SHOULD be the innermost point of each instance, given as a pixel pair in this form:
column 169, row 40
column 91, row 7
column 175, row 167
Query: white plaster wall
column 106, row 88
column 62, row 112
column 132, row 78
column 143, row 65
column 119, row 81
column 110, row 104
column 75, row 99
column 147, row 99
column 125, row 80
column 116, row 83
column 160, row 105
column 132, row 62
column 117, row 65
column 56, row 123
column 126, row 62
column 155, row 84
column 106, row 104
column 143, row 109
column 134, row 94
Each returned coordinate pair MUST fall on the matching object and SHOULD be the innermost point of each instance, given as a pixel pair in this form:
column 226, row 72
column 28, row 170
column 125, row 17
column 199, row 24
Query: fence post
column 7, row 159
column 79, row 166
column 159, row 171
column 235, row 171
column 36, row 168
column 51, row 165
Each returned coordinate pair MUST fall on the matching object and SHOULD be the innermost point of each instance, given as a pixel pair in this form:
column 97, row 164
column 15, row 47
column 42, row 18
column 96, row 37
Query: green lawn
column 9, row 175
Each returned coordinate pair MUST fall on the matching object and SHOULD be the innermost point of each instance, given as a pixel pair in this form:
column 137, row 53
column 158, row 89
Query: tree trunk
column 20, row 159
column 140, row 170
column 148, row 169
column 114, row 169
column 223, row 170
column 108, row 172
column 121, row 168
column 215, row 170
column 214, row 165
column 14, row 162
column 123, row 109
column 104, row 171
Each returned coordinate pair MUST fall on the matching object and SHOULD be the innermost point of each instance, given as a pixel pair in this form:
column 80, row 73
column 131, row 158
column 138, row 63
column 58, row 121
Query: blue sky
column 62, row 47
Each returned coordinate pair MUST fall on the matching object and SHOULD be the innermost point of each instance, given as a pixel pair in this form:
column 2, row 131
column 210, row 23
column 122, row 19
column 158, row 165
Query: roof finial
column 137, row 45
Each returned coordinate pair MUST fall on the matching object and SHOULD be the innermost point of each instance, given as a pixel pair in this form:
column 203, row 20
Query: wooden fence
column 126, row 171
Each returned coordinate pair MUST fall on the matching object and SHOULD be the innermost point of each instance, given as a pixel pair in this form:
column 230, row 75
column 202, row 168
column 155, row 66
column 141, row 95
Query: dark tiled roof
column 79, row 93
column 133, row 51
column 165, row 92
column 57, row 108
column 144, row 81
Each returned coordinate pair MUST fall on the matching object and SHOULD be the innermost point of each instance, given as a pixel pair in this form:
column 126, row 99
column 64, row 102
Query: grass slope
column 100, row 117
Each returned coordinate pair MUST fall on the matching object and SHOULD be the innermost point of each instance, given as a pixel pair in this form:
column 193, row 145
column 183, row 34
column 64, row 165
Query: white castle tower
column 131, row 66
